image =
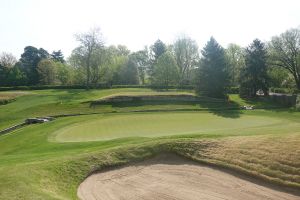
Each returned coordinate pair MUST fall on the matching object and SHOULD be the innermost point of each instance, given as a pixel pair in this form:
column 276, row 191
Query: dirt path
column 169, row 177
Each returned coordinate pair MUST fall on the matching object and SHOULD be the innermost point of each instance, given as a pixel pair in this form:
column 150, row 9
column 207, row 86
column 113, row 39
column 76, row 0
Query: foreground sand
column 169, row 177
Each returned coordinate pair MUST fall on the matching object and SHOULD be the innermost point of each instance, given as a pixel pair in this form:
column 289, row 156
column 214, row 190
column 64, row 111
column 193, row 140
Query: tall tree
column 156, row 50
column 254, row 75
column 166, row 70
column 29, row 61
column 47, row 71
column 129, row 72
column 187, row 57
column 58, row 56
column 3, row 75
column 236, row 61
column 143, row 61
column 212, row 78
column 280, row 77
column 11, row 75
column 64, row 73
column 90, row 43
column 7, row 60
column 16, row 77
column 123, row 50
column 285, row 52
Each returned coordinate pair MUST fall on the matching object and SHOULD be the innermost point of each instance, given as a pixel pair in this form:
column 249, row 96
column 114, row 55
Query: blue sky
column 51, row 24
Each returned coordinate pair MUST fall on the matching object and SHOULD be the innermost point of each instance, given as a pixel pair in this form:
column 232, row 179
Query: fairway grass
column 50, row 160
column 115, row 126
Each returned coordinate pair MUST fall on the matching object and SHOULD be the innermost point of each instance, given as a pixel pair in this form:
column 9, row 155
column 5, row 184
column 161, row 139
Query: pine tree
column 58, row 56
column 254, row 75
column 212, row 78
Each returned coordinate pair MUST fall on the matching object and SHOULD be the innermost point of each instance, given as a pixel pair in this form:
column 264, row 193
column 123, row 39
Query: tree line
column 211, row 70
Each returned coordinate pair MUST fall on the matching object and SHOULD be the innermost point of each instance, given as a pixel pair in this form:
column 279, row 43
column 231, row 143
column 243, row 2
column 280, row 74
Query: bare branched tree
column 7, row 60
column 90, row 43
column 285, row 52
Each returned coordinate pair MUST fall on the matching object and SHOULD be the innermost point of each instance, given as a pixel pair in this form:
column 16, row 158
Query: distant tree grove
column 212, row 70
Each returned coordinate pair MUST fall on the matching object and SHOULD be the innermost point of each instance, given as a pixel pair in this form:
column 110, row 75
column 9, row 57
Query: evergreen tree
column 254, row 75
column 29, row 60
column 58, row 56
column 129, row 72
column 212, row 78
column 157, row 49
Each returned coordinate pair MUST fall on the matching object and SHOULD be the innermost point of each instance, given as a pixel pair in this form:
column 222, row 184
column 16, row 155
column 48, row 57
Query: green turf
column 55, row 102
column 40, row 161
column 154, row 125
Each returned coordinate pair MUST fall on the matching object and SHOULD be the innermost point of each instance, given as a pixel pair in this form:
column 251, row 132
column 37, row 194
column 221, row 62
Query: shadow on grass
column 221, row 108
column 263, row 102
column 225, row 109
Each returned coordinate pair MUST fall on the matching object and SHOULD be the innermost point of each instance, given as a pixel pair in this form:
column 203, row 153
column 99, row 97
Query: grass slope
column 33, row 165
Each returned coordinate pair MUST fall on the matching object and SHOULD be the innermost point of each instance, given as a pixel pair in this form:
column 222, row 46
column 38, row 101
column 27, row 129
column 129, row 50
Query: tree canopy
column 212, row 78
column 165, row 70
column 187, row 57
column 285, row 52
column 212, row 73
column 254, row 75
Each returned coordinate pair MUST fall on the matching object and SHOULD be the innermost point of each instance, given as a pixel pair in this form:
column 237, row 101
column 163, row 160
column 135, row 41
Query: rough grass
column 12, row 95
column 33, row 166
column 271, row 157
column 8, row 97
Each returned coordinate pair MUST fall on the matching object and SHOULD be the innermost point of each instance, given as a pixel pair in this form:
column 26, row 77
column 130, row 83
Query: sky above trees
column 51, row 24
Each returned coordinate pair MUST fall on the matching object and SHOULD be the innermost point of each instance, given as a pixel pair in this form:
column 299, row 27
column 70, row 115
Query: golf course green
column 50, row 160
column 113, row 126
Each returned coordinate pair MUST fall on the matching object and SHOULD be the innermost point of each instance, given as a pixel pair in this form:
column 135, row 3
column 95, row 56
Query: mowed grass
column 48, row 161
column 56, row 102
column 114, row 126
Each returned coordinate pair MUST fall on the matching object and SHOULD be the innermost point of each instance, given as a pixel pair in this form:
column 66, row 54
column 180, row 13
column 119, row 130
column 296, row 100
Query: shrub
column 233, row 90
column 99, row 86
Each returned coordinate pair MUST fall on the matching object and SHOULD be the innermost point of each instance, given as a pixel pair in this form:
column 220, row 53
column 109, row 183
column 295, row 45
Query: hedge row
column 233, row 90
column 285, row 90
column 45, row 87
column 230, row 90
column 100, row 86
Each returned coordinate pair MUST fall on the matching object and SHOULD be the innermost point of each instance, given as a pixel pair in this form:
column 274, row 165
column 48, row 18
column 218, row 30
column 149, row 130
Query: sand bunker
column 170, row 177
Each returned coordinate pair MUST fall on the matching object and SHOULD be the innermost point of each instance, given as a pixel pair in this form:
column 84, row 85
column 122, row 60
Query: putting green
column 154, row 125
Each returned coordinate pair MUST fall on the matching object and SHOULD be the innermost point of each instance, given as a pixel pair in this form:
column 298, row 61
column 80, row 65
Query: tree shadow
column 224, row 109
column 220, row 108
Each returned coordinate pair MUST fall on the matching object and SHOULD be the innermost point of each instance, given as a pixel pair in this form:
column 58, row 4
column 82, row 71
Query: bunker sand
column 169, row 177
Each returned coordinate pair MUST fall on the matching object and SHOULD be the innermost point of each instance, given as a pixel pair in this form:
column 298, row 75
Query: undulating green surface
column 55, row 102
column 156, row 124
column 41, row 162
